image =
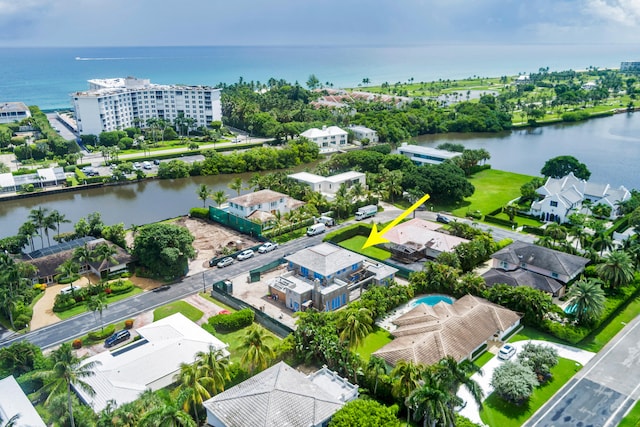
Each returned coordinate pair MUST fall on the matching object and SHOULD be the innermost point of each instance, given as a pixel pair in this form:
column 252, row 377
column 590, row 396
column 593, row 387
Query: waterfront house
column 522, row 277
column 40, row 178
column 362, row 132
column 560, row 197
column 11, row 112
column 255, row 205
column 425, row 155
column 281, row 396
column 331, row 137
column 329, row 185
column 427, row 334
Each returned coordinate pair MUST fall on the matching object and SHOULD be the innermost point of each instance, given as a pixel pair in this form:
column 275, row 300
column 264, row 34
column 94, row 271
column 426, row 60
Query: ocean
column 47, row 76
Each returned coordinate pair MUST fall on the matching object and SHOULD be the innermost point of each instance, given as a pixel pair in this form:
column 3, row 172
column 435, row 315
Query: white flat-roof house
column 327, row 137
column 112, row 104
column 150, row 363
column 14, row 402
column 329, row 185
column 13, row 112
column 40, row 178
column 363, row 132
column 425, row 155
column 563, row 196
column 269, row 201
column 281, row 396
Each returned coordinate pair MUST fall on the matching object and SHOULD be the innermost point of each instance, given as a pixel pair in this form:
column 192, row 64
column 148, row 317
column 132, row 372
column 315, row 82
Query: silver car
column 225, row 262
column 244, row 255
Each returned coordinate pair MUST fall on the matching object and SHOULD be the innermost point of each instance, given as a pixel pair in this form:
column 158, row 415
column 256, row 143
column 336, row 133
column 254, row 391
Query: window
column 553, row 204
column 554, row 275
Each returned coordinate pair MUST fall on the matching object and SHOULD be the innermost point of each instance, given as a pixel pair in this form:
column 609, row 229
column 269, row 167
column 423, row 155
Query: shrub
column 120, row 287
column 77, row 343
column 128, row 324
column 22, row 321
column 202, row 213
column 233, row 321
column 102, row 334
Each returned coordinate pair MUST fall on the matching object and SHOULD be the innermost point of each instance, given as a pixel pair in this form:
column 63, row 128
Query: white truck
column 366, row 212
column 316, row 229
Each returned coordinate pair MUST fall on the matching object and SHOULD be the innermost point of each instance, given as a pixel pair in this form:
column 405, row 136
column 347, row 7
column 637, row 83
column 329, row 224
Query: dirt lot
column 211, row 238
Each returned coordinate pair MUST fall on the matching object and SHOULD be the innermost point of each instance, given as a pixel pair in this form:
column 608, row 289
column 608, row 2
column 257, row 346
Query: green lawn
column 527, row 333
column 110, row 300
column 220, row 304
column 234, row 339
column 483, row 359
column 633, row 418
column 355, row 244
column 494, row 188
column 498, row 413
column 374, row 341
column 189, row 311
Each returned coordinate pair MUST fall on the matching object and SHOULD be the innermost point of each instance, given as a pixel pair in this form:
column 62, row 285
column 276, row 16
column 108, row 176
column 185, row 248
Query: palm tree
column 203, row 194
column 168, row 412
column 215, row 366
column 98, row 303
column 84, row 256
column 192, row 383
column 257, row 352
column 405, row 379
column 454, row 374
column 28, row 230
column 104, row 253
column 356, row 324
column 433, row 402
column 11, row 422
column 556, row 232
column 68, row 269
column 376, row 367
column 67, row 370
column 37, row 217
column 236, row 185
column 587, row 299
column 219, row 197
column 49, row 223
column 59, row 218
column 616, row 269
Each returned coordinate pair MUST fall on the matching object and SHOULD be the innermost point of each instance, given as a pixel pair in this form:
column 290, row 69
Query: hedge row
column 346, row 233
column 202, row 213
column 500, row 221
column 533, row 230
column 232, row 322
column 102, row 334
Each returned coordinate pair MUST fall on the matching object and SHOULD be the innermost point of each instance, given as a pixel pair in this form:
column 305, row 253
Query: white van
column 69, row 290
column 316, row 229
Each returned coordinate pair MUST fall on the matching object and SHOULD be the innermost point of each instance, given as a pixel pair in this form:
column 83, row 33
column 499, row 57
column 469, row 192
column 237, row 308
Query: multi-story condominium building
column 630, row 67
column 119, row 103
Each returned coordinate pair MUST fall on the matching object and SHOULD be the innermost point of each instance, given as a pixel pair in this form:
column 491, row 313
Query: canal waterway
column 609, row 146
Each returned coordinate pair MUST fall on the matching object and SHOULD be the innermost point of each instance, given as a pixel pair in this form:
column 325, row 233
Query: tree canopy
column 562, row 165
column 164, row 249
column 364, row 413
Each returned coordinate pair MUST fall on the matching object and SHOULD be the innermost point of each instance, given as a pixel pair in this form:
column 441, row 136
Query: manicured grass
column 601, row 336
column 234, row 339
column 633, row 417
column 498, row 413
column 189, row 311
column 355, row 244
column 219, row 303
column 373, row 342
column 494, row 188
column 527, row 333
column 483, row 359
column 110, row 300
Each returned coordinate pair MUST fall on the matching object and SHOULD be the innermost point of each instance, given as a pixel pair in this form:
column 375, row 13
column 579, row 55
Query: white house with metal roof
column 421, row 155
column 40, row 178
column 11, row 112
column 150, row 363
column 329, row 185
column 14, row 402
column 363, row 132
column 281, row 396
column 560, row 197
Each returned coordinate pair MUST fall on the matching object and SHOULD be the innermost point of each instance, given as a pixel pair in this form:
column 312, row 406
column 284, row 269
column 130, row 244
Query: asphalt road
column 80, row 325
column 603, row 391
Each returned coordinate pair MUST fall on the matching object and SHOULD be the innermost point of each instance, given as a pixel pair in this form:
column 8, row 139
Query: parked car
column 136, row 165
column 267, row 247
column 146, row 165
column 506, row 352
column 225, row 262
column 443, row 219
column 117, row 338
column 244, row 255
column 156, row 162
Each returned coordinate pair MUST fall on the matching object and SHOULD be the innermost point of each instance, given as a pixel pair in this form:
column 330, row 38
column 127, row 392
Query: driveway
column 472, row 411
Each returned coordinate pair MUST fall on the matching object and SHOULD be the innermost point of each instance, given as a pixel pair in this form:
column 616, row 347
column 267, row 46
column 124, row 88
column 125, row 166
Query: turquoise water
column 570, row 309
column 432, row 300
column 47, row 76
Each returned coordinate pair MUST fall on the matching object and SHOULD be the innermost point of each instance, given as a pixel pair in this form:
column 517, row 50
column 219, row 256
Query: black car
column 443, row 219
column 117, row 338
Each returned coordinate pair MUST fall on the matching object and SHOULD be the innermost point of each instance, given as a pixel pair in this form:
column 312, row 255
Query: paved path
column 472, row 411
column 602, row 393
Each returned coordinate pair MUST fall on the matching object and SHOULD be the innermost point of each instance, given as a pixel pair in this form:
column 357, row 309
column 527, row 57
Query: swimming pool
column 432, row 300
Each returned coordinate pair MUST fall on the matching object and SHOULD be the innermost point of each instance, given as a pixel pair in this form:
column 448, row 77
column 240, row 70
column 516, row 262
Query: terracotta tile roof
column 426, row 334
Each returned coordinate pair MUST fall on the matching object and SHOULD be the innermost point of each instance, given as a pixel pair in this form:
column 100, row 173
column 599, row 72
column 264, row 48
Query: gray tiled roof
column 277, row 397
column 548, row 259
column 521, row 277
column 325, row 258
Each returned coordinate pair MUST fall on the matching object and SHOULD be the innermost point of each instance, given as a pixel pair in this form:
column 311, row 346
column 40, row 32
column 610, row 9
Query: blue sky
column 317, row 22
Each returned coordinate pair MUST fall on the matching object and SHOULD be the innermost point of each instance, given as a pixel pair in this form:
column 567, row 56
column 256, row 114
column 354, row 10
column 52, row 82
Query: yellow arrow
column 376, row 238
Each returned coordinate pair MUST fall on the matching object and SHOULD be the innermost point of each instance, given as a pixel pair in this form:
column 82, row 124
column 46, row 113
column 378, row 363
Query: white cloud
column 625, row 12
column 14, row 7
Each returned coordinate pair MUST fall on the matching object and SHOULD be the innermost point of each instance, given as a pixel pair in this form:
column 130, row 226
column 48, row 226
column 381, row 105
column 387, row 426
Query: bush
column 120, row 287
column 202, row 213
column 103, row 334
column 232, row 322
column 77, row 343
column 128, row 324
